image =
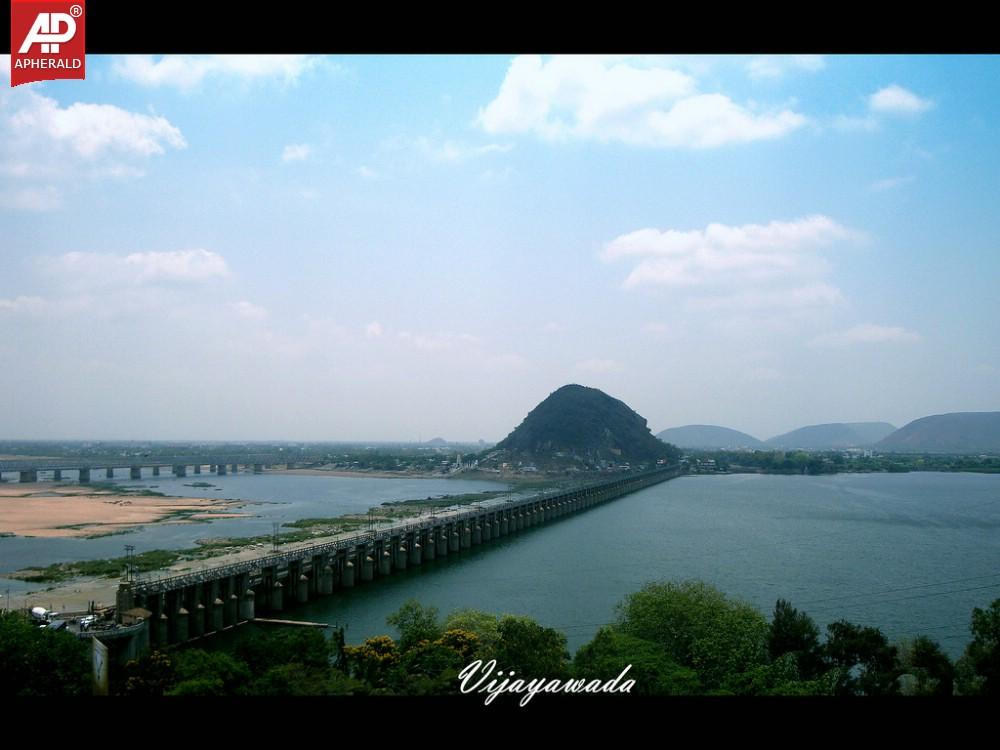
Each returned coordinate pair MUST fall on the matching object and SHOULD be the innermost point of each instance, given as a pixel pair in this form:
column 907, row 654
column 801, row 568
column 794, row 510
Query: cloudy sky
column 377, row 248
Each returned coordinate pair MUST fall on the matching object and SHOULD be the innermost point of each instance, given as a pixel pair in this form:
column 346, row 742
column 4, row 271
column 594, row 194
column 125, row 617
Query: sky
column 401, row 248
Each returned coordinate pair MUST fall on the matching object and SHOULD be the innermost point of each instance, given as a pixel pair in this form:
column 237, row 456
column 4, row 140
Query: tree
column 930, row 668
column 794, row 632
column 202, row 672
column 415, row 623
column 530, row 650
column 981, row 661
column 867, row 663
column 654, row 672
column 39, row 661
column 699, row 628
column 484, row 625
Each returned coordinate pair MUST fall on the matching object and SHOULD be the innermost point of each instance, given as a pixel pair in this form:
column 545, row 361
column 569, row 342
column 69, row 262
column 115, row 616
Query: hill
column 584, row 427
column 819, row 437
column 958, row 432
column 710, row 437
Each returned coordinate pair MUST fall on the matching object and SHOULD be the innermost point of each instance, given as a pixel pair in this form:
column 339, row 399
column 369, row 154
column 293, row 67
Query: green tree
column 699, row 628
column 530, row 650
column 931, row 669
column 981, row 660
column 654, row 672
column 794, row 632
column 152, row 674
column 484, row 625
column 39, row 661
column 415, row 623
column 867, row 663
column 202, row 672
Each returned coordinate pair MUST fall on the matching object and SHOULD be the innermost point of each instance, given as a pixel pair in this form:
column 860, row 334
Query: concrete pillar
column 504, row 526
column 518, row 522
column 385, row 563
column 368, row 568
column 84, row 475
column 454, row 541
column 211, row 468
column 197, row 468
column 429, row 547
column 218, row 614
column 442, row 542
column 156, row 471
column 247, row 606
column 135, row 472
column 277, row 596
column 57, row 475
column 221, row 470
column 162, row 630
column 347, row 575
column 182, row 625
column 465, row 537
column 326, row 581
column 477, row 533
column 401, row 554
column 197, row 624
column 109, row 473
column 258, row 468
column 487, row 530
column 236, row 468
column 302, row 592
column 180, row 470
column 289, row 465
column 415, row 550
column 28, row 476
column 232, row 609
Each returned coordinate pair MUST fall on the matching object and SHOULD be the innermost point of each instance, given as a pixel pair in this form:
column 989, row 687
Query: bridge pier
column 221, row 470
column 236, row 468
column 454, row 543
column 442, row 542
column 197, row 468
column 326, row 581
column 415, row 552
column 180, row 470
column 258, row 468
column 247, row 606
column 477, row 533
column 487, row 530
column 302, row 590
column 218, row 615
column 465, row 538
column 28, row 476
column 347, row 575
column 57, row 475
column 277, row 596
column 135, row 472
column 368, row 567
column 109, row 473
column 156, row 471
column 401, row 554
column 385, row 563
column 429, row 547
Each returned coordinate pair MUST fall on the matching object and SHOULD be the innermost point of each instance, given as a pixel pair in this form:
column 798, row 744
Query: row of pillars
column 195, row 610
column 135, row 472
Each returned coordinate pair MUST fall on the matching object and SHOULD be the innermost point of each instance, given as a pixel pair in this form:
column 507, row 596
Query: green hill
column 820, row 437
column 958, row 432
column 710, row 437
column 585, row 427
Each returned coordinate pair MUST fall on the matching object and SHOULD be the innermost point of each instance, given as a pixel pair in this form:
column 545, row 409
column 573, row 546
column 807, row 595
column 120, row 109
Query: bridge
column 28, row 469
column 185, row 607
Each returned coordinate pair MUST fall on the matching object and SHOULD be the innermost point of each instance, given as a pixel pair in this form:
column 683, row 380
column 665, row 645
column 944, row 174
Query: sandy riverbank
column 51, row 509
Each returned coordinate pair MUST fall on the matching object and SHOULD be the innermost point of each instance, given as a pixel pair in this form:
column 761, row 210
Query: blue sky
column 380, row 248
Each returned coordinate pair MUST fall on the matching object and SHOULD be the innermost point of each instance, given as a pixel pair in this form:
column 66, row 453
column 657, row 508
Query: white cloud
column 849, row 124
column 880, row 186
column 453, row 152
column 367, row 173
column 634, row 102
column 135, row 269
column 250, row 311
column 373, row 330
column 46, row 198
column 190, row 71
column 895, row 100
column 296, row 152
column 866, row 333
column 22, row 304
column 599, row 366
column 93, row 130
column 774, row 66
column 722, row 254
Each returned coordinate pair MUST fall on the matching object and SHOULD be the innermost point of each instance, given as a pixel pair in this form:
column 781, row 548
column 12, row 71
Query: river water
column 909, row 553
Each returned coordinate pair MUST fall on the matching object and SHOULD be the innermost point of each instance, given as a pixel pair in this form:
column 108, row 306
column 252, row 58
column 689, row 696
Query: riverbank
column 53, row 509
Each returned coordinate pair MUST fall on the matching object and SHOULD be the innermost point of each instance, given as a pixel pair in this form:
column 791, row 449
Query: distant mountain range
column 832, row 436
column 709, row 437
column 584, row 426
column 958, row 432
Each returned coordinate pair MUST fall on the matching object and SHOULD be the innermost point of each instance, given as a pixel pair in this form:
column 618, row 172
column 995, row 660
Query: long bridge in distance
column 189, row 606
column 29, row 469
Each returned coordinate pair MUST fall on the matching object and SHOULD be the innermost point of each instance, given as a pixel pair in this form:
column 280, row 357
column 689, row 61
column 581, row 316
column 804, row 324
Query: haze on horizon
column 396, row 248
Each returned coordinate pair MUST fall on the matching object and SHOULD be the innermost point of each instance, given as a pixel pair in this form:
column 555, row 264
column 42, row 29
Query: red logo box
column 47, row 40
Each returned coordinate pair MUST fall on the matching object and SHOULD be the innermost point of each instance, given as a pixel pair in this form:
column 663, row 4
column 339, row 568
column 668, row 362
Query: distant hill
column 959, row 432
column 819, row 437
column 583, row 426
column 709, row 436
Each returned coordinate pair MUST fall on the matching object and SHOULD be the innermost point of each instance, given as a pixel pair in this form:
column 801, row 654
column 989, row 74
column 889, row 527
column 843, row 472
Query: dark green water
column 909, row 553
